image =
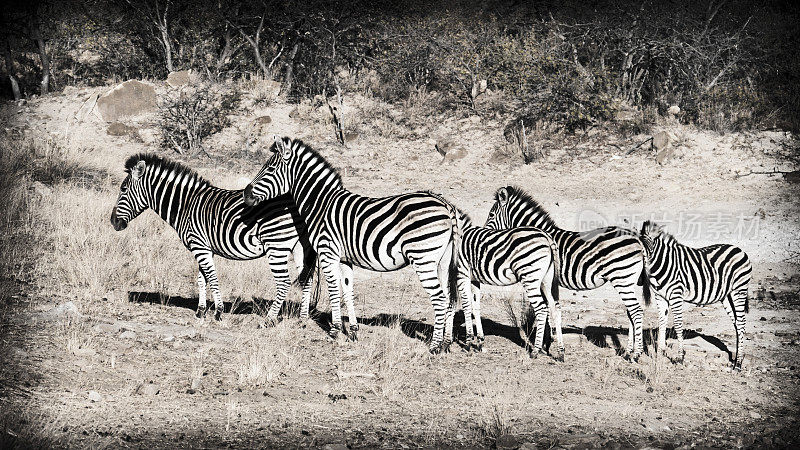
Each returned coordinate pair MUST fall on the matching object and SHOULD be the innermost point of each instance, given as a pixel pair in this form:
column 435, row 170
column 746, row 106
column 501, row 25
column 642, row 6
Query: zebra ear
column 282, row 147
column 138, row 170
column 502, row 196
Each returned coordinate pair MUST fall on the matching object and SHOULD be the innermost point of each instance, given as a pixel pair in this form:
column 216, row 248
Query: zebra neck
column 540, row 222
column 314, row 186
column 169, row 194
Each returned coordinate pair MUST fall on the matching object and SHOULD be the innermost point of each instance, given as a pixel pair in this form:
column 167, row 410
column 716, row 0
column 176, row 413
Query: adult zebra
column 587, row 259
column 525, row 255
column 212, row 221
column 419, row 229
column 701, row 276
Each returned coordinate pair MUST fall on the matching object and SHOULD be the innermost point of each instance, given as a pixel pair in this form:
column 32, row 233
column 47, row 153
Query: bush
column 191, row 113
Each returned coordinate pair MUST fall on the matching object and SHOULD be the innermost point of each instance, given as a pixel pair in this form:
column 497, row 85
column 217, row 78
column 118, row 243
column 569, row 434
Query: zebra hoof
column 446, row 347
column 353, row 335
column 218, row 315
column 559, row 356
column 634, row 357
column 334, row 333
column 479, row 345
column 435, row 350
column 536, row 353
column 201, row 313
column 737, row 366
column 270, row 322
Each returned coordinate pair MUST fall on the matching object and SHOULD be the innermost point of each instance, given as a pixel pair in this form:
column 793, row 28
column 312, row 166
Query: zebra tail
column 644, row 279
column 309, row 264
column 456, row 242
column 556, row 269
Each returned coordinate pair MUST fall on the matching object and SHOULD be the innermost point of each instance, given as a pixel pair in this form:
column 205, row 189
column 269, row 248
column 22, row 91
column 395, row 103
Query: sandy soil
column 132, row 367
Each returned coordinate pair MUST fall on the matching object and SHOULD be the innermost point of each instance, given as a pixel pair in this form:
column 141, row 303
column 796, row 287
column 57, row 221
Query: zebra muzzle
column 249, row 198
column 118, row 224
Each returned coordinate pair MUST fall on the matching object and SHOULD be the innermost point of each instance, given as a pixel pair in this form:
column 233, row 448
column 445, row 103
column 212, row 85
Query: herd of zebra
column 297, row 205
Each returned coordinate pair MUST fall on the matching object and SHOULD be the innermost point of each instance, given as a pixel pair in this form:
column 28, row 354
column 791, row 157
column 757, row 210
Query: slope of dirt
column 133, row 368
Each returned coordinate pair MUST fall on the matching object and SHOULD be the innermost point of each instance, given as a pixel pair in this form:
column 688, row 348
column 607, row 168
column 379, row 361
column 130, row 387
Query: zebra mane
column 298, row 146
column 653, row 230
column 166, row 164
column 530, row 203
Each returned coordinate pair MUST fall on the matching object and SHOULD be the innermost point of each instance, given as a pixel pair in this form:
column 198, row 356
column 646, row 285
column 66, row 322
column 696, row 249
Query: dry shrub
column 268, row 354
column 191, row 113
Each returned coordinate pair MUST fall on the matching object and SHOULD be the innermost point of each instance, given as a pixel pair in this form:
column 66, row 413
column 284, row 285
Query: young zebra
column 382, row 234
column 587, row 260
column 502, row 258
column 213, row 221
column 701, row 276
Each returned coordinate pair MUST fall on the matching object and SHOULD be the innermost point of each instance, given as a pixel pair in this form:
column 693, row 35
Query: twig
column 772, row 172
column 650, row 139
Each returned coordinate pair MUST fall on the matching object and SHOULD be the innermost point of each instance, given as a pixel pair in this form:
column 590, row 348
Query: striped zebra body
column 586, row 260
column 212, row 221
column 701, row 276
column 381, row 234
column 505, row 257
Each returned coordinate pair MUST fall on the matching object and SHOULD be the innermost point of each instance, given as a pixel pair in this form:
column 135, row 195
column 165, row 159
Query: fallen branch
column 650, row 139
column 345, row 375
column 772, row 172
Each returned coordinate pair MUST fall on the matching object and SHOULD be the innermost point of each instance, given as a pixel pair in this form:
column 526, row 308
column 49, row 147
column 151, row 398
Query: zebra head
column 132, row 197
column 273, row 179
column 652, row 234
column 499, row 214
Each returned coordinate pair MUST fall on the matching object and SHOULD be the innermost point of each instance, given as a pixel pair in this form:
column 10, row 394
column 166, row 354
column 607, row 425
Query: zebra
column 504, row 257
column 419, row 229
column 700, row 276
column 587, row 259
column 213, row 221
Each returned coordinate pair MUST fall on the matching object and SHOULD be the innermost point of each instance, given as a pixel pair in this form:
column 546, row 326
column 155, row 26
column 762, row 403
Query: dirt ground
column 100, row 346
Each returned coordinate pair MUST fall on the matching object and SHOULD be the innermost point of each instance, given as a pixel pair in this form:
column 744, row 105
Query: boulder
column 661, row 140
column 507, row 441
column 663, row 155
column 119, row 129
column 128, row 99
column 455, row 154
column 179, row 78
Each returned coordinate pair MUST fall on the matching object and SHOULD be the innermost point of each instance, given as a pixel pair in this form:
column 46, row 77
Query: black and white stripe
column 382, row 234
column 701, row 276
column 588, row 259
column 504, row 257
column 212, row 221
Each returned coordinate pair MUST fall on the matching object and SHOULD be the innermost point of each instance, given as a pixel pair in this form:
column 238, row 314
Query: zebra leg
column 466, row 305
column 533, row 291
column 349, row 300
column 205, row 259
column 300, row 262
column 278, row 261
column 625, row 287
column 676, row 305
column 734, row 305
column 201, row 295
column 555, row 310
column 476, row 312
column 331, row 265
column 428, row 276
column 663, row 310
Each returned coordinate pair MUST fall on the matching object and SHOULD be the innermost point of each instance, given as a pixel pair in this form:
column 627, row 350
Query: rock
column 188, row 333
column 197, row 384
column 148, row 389
column 350, row 136
column 41, row 189
column 294, row 113
column 180, row 78
column 453, row 155
column 755, row 415
column 673, row 110
column 127, row 99
column 107, row 328
column 506, row 441
column 661, row 140
column 528, row 446
column 128, row 334
column 114, row 295
column 119, row 129
column 85, row 352
column 261, row 121
column 95, row 396
column 167, row 338
column 64, row 310
column 664, row 155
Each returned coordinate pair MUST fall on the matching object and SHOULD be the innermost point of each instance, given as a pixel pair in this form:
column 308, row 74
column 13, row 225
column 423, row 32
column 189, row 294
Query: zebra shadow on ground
column 600, row 336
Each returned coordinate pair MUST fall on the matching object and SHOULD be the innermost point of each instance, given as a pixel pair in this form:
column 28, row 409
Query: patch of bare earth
column 126, row 363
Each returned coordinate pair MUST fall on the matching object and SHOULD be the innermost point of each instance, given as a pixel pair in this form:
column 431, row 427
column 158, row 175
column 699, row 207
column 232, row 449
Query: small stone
column 119, row 129
column 149, row 389
column 197, row 384
column 179, row 78
column 168, row 338
column 755, row 415
column 528, row 446
column 334, row 447
column 95, row 396
column 84, row 352
column 661, row 140
column 456, row 154
column 63, row 310
column 128, row 334
column 674, row 110
column 190, row 391
column 663, row 155
column 41, row 189
column 351, row 136
column 263, row 120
